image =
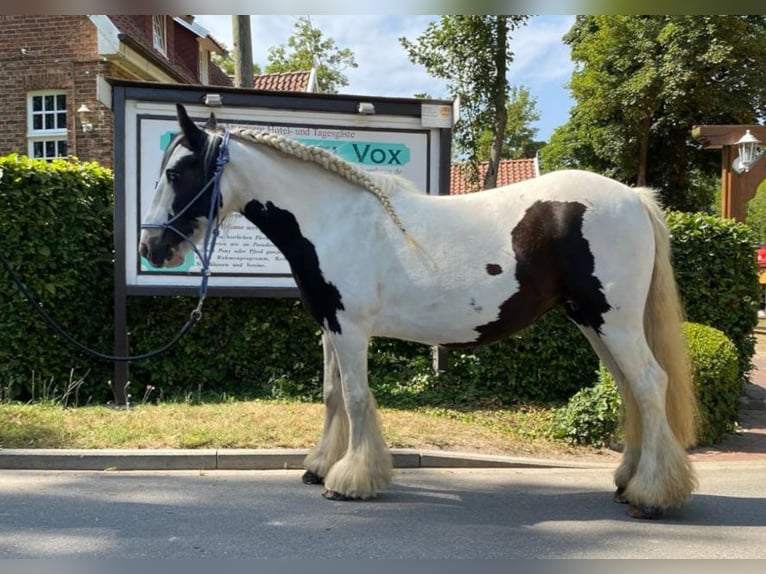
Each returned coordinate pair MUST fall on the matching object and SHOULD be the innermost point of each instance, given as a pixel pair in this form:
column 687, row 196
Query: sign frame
column 425, row 124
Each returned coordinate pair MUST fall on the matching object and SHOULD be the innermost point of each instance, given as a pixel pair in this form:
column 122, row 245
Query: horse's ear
column 193, row 133
column 211, row 122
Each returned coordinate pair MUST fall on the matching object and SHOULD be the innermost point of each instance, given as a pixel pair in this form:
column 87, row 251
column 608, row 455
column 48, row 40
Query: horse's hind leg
column 367, row 465
column 631, row 432
column 663, row 477
column 334, row 440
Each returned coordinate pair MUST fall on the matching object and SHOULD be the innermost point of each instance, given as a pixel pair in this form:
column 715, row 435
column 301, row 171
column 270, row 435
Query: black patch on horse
column 321, row 299
column 494, row 269
column 187, row 177
column 554, row 265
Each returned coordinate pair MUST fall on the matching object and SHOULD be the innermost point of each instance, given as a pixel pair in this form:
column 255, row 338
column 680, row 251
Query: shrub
column 56, row 232
column 547, row 362
column 591, row 416
column 717, row 277
column 245, row 348
column 716, row 379
column 56, row 228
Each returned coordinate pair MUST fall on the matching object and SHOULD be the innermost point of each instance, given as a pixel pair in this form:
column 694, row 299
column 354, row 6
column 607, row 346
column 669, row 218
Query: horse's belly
column 461, row 319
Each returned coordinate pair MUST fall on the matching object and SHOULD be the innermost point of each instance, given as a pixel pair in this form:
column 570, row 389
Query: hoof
column 646, row 512
column 332, row 495
column 619, row 496
column 312, row 478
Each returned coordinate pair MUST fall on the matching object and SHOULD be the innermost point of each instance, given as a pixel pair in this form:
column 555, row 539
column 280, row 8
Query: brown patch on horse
column 554, row 265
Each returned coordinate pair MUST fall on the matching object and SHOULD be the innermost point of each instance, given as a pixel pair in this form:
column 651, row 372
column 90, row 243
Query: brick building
column 50, row 68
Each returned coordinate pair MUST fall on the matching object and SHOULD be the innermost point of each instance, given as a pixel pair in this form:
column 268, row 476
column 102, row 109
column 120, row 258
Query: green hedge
column 717, row 276
column 716, row 379
column 547, row 362
column 592, row 415
column 242, row 348
column 56, row 232
column 56, row 227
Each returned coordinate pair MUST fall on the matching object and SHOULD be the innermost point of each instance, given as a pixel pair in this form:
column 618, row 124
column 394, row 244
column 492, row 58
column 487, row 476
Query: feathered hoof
column 646, row 512
column 310, row 477
column 333, row 495
column 619, row 496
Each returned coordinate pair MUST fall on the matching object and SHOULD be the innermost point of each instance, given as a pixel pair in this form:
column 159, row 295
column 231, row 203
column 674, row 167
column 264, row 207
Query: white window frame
column 160, row 34
column 56, row 135
column 204, row 67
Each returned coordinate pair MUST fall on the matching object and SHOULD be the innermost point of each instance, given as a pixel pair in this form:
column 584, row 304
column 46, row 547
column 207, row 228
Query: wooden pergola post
column 736, row 188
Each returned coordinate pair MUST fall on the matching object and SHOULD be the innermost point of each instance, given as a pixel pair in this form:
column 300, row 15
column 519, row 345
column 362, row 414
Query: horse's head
column 182, row 199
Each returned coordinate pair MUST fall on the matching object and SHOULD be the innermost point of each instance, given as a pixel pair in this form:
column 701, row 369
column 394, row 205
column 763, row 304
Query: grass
column 275, row 424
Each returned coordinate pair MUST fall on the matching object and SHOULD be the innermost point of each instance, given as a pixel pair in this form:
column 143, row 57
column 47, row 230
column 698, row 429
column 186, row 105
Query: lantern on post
column 748, row 153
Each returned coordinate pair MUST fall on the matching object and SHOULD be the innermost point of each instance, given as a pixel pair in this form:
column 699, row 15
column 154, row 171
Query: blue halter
column 212, row 229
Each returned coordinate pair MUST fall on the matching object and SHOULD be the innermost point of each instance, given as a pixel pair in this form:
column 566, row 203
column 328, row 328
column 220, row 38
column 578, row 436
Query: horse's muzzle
column 159, row 254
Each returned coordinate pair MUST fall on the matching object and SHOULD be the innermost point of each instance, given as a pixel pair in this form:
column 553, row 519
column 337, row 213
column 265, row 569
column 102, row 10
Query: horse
column 373, row 256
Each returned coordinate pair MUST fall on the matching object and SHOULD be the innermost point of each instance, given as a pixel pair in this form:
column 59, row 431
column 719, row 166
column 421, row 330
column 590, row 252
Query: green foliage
column 519, row 136
column 307, row 49
column 716, row 380
column 545, row 363
column 642, row 82
column 471, row 53
column 56, row 228
column 717, row 277
column 756, row 214
column 226, row 63
column 248, row 348
column 592, row 415
column 56, row 232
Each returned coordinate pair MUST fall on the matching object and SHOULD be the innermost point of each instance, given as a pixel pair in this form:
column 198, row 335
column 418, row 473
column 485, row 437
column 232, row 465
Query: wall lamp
column 748, row 153
column 83, row 112
column 365, row 108
column 213, row 100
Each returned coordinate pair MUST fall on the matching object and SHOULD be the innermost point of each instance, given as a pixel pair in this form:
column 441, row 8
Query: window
column 158, row 34
column 204, row 68
column 46, row 124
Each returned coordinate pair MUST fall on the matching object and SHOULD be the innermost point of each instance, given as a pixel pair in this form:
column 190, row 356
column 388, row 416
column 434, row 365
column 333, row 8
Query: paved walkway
column 749, row 442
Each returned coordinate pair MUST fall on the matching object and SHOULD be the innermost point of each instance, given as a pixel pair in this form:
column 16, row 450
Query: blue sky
column 541, row 63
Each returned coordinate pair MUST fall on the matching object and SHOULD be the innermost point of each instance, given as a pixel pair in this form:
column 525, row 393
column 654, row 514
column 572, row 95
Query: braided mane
column 323, row 158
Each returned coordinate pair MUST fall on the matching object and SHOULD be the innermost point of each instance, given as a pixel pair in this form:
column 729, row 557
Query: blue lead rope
column 212, row 230
column 211, row 234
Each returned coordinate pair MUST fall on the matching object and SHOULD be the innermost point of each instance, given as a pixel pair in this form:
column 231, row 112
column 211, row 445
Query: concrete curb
column 247, row 459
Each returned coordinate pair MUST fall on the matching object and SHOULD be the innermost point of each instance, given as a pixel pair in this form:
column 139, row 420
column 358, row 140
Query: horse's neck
column 261, row 174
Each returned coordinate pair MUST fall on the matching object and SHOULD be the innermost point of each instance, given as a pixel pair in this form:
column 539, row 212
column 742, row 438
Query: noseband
column 212, row 229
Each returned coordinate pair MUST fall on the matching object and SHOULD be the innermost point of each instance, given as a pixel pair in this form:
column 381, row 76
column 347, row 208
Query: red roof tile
column 509, row 171
column 284, row 82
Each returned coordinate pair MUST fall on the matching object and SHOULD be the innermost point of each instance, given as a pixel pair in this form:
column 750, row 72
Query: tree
column 226, row 63
column 642, row 82
column 756, row 214
column 519, row 135
column 472, row 54
column 308, row 49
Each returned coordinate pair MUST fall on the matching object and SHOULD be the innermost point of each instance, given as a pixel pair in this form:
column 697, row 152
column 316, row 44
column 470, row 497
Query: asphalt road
column 427, row 513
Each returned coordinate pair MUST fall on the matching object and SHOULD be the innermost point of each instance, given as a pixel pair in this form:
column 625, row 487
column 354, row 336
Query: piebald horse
column 372, row 256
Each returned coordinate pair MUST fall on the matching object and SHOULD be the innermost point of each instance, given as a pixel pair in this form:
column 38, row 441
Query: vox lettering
column 365, row 153
column 379, row 155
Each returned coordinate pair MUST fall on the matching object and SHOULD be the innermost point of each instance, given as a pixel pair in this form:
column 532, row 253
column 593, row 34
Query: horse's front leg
column 334, row 440
column 367, row 465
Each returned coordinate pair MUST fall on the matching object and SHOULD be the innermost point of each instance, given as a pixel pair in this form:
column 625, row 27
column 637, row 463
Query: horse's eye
column 171, row 175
